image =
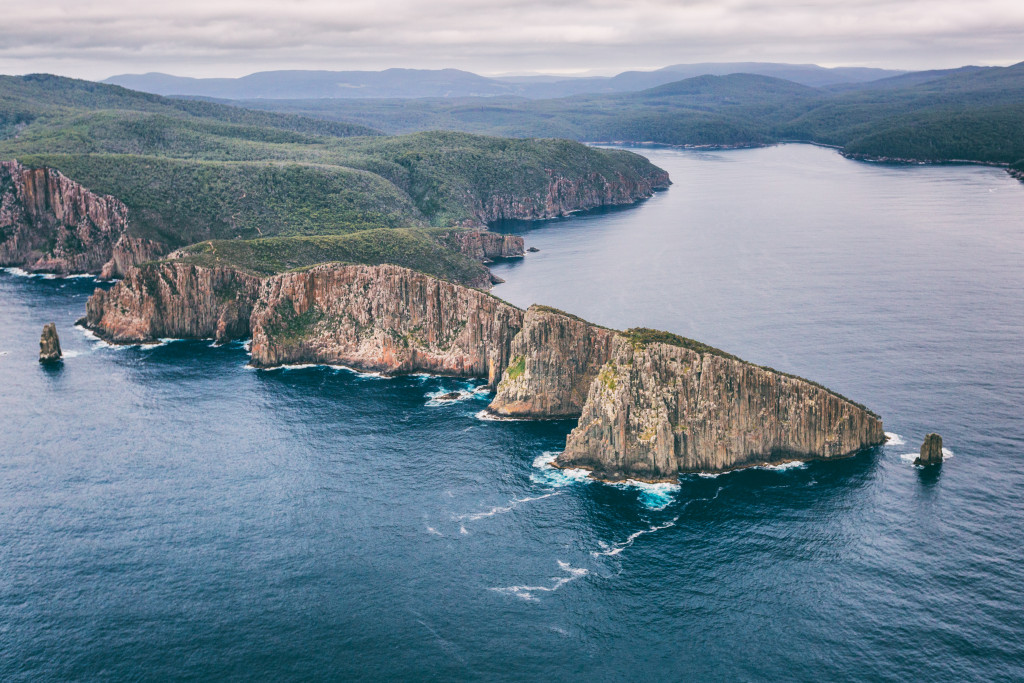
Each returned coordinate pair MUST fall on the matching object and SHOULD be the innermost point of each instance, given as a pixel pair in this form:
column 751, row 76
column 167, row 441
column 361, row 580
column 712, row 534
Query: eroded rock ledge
column 650, row 404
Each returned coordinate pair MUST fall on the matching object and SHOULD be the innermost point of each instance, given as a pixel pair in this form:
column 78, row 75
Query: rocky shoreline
column 52, row 224
column 650, row 405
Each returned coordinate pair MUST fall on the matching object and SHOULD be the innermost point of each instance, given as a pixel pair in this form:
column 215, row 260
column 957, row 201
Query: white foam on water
column 474, row 516
column 66, row 354
column 501, row 509
column 549, row 475
column 611, row 551
column 247, row 345
column 783, row 466
column 911, row 457
column 20, row 272
column 358, row 373
column 894, row 439
column 434, row 532
column 436, row 401
column 491, row 417
column 527, row 592
column 462, row 529
column 95, row 338
column 17, row 271
column 653, row 496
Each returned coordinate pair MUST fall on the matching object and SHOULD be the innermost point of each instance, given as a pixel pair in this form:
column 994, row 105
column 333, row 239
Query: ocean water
column 168, row 513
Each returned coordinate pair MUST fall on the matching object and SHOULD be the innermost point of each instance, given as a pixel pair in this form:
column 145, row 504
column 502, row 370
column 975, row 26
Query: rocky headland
column 485, row 246
column 663, row 405
column 650, row 404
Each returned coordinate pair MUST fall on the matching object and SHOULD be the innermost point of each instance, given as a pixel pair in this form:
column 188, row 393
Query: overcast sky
column 100, row 38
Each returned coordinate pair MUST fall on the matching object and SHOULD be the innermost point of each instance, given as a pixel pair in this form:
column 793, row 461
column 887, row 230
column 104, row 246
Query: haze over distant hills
column 416, row 83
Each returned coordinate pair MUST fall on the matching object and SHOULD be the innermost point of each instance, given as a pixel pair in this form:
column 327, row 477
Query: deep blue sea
column 168, row 513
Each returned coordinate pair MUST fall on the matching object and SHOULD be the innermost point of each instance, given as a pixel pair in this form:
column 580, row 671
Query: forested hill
column 191, row 171
column 973, row 113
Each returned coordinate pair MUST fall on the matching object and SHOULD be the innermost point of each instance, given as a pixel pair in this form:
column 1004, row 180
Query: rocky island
column 49, row 344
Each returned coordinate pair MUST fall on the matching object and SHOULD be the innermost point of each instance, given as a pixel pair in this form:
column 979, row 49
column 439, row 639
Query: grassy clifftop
column 411, row 248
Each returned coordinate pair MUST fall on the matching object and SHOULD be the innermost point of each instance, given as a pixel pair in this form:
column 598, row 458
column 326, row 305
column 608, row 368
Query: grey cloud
column 233, row 37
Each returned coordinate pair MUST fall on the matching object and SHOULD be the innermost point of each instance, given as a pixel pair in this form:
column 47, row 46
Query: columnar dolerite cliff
column 382, row 318
column 554, row 361
column 49, row 223
column 174, row 300
column 379, row 318
column 657, row 409
column 651, row 404
column 565, row 195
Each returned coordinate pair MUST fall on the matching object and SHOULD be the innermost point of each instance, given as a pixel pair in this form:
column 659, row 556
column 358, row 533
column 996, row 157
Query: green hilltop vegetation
column 193, row 171
column 414, row 248
column 972, row 113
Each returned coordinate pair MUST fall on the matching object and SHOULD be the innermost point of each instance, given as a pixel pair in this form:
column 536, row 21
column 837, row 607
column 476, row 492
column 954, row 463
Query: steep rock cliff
column 657, row 409
column 129, row 251
column 175, row 300
column 565, row 195
column 382, row 318
column 554, row 361
column 484, row 246
column 49, row 223
column 651, row 404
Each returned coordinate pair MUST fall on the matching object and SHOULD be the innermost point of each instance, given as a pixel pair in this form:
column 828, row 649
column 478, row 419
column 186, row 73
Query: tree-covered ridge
column 191, row 170
column 48, row 99
column 413, row 248
column 972, row 113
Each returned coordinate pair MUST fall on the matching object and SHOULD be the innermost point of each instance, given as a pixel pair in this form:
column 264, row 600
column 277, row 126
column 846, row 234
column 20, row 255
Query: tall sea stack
column 49, row 344
column 931, row 451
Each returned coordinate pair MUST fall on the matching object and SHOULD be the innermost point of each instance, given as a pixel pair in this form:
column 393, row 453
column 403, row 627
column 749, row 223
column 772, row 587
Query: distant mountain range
column 416, row 83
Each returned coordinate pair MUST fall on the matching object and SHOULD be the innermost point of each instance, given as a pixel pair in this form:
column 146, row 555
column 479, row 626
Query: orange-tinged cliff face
column 564, row 195
column 174, row 300
column 647, row 409
column 656, row 410
column 382, row 318
column 554, row 361
column 49, row 223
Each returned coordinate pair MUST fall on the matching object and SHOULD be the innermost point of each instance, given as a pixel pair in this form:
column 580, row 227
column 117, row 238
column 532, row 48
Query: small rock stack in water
column 49, row 344
column 931, row 451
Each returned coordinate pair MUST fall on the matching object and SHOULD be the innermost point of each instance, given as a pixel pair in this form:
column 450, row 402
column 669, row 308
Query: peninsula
column 330, row 243
column 650, row 404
